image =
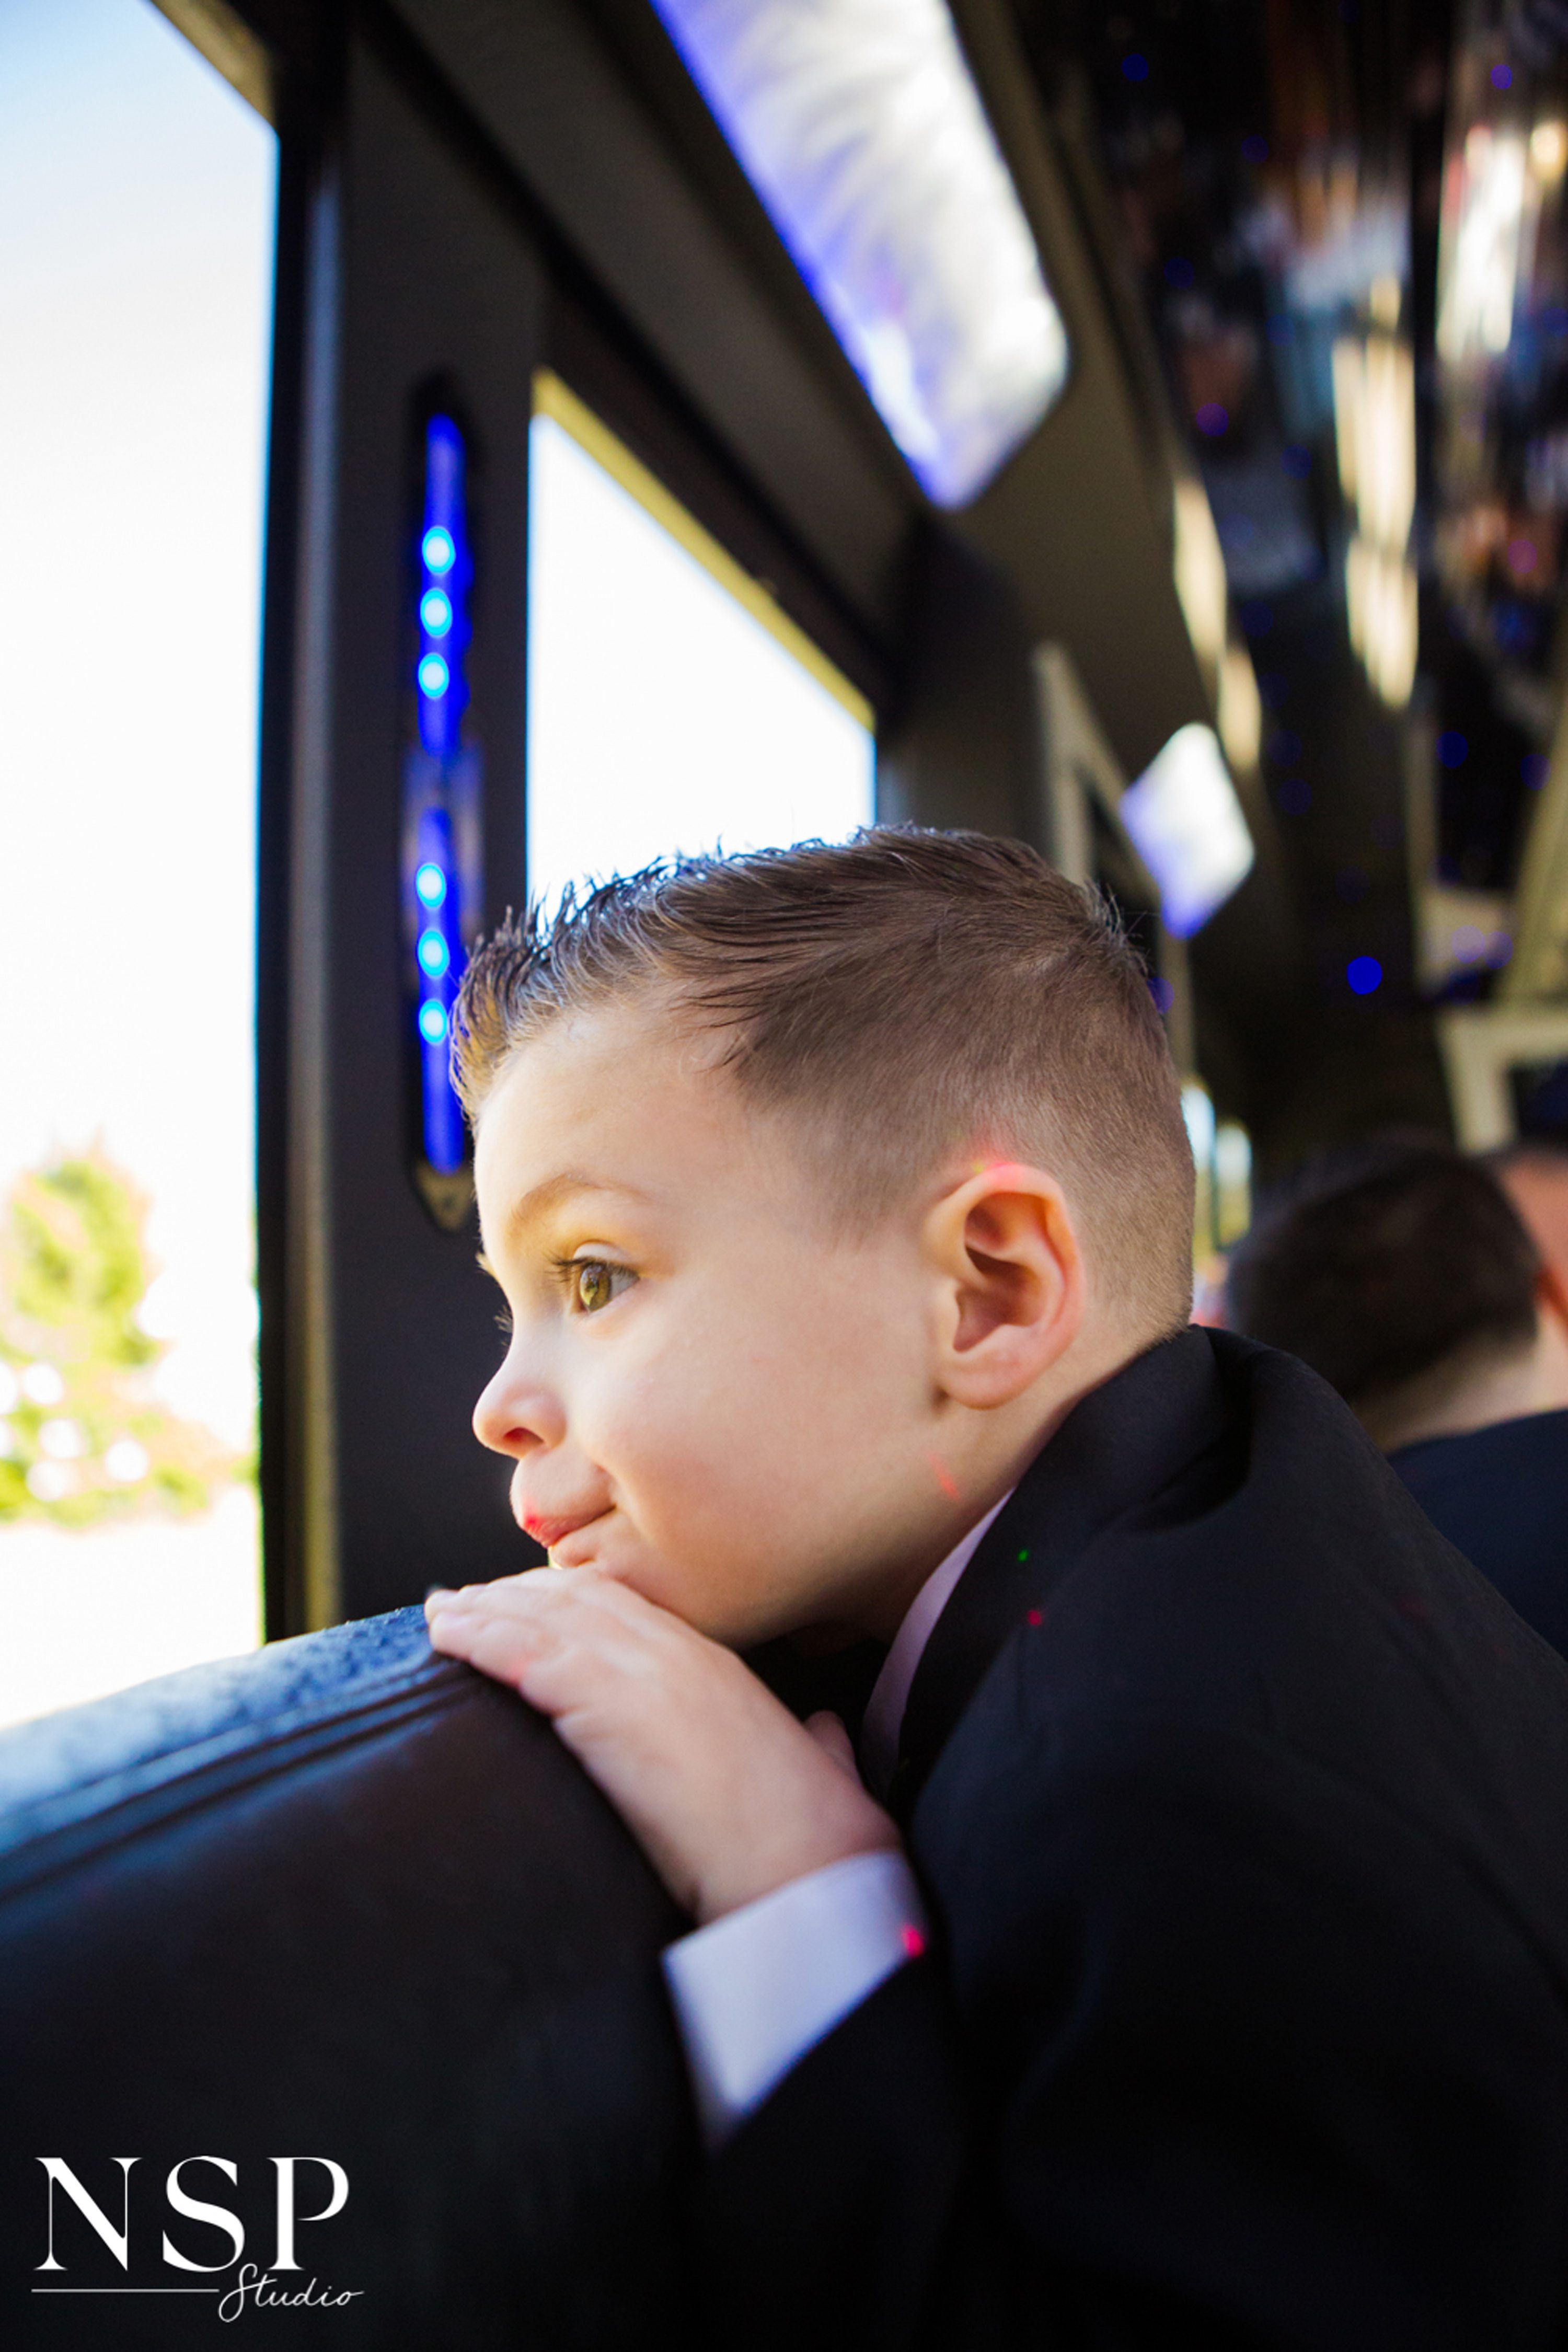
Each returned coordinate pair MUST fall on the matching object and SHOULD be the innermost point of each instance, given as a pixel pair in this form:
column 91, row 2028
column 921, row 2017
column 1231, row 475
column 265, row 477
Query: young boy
column 1191, row 1964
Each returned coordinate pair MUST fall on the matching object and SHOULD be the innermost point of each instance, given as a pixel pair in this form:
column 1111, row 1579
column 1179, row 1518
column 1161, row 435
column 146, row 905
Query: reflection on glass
column 663, row 714
column 135, row 255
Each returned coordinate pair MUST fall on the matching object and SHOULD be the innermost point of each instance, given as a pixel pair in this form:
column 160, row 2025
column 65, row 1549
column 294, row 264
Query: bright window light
column 136, row 206
column 859, row 126
column 1187, row 827
column 665, row 713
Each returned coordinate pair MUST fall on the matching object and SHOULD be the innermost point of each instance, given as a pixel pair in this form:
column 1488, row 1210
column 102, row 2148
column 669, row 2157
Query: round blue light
column 1452, row 748
column 1134, row 66
column 433, row 956
column 430, row 883
column 432, row 1022
column 1365, row 973
column 435, row 612
column 434, row 676
column 437, row 549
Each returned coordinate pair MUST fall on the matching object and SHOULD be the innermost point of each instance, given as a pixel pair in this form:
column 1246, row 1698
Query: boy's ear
column 1011, row 1282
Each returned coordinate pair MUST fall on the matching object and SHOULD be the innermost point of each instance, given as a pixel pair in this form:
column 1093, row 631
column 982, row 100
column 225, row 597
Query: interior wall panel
column 393, row 1328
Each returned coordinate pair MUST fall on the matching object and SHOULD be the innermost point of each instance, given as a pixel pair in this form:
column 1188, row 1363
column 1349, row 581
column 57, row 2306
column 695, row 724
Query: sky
column 136, row 199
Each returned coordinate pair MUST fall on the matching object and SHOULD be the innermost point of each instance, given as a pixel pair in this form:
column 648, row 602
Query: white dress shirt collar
column 884, row 1718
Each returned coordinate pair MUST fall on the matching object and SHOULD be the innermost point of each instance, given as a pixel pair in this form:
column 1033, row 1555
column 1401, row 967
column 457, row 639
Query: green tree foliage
column 82, row 1430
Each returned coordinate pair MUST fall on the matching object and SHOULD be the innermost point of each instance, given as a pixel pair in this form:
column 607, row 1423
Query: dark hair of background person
column 904, row 996
column 1386, row 1264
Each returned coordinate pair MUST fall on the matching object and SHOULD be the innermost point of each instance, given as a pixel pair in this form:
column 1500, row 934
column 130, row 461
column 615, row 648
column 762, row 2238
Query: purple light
column 1212, row 419
column 859, row 125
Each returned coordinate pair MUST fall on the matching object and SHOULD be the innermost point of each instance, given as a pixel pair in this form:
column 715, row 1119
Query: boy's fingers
column 830, row 1735
column 564, row 1638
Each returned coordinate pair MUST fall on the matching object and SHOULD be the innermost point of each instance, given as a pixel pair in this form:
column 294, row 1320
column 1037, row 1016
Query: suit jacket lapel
column 1116, row 1452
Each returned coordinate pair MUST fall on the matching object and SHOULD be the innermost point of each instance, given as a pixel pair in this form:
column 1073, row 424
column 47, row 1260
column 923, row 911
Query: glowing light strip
column 861, row 129
column 446, row 576
column 432, row 882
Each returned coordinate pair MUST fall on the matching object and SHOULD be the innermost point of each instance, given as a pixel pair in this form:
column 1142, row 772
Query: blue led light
column 1365, row 973
column 441, row 783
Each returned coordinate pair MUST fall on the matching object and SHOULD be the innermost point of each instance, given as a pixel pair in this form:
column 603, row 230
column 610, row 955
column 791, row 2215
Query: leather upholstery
column 340, row 1899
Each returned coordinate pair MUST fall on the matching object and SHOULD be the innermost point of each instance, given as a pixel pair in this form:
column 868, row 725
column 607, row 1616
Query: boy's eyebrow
column 540, row 1198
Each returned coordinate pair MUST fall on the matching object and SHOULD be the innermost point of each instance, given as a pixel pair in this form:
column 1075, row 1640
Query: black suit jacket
column 1500, row 1495
column 1241, row 1803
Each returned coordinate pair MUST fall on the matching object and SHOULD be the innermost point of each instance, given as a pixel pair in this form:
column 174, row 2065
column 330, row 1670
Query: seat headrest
column 341, row 1900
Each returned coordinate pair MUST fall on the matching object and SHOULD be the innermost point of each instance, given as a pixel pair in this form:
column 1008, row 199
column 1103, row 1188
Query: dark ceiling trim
column 563, row 112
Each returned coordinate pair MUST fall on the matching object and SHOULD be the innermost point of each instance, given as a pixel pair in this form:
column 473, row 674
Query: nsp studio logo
column 81, row 2268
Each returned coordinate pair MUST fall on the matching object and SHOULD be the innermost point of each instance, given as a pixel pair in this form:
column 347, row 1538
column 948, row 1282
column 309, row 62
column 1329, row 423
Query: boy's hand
column 728, row 1794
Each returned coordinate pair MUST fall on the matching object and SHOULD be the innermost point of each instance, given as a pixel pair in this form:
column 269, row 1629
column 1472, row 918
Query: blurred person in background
column 1402, row 1273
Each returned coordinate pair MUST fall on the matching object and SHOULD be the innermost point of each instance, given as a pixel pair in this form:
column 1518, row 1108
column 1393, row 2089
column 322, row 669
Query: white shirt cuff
column 754, row 1991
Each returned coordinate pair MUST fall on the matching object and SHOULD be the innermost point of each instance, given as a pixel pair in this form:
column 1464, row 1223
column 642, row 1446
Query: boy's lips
column 550, row 1532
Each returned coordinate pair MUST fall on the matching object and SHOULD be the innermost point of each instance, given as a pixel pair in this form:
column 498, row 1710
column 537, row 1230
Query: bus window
column 671, row 704
column 136, row 194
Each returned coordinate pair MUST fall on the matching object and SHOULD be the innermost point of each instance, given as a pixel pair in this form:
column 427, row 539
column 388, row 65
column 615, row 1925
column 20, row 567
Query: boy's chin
column 689, row 1589
column 684, row 1592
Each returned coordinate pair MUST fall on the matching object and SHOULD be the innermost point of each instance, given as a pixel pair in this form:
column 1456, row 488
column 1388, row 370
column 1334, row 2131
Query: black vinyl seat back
column 340, row 1900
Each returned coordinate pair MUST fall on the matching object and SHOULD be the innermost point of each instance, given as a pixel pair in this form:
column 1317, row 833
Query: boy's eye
column 594, row 1283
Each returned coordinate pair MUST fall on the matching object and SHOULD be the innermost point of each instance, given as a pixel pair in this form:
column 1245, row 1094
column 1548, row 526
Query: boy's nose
column 516, row 1414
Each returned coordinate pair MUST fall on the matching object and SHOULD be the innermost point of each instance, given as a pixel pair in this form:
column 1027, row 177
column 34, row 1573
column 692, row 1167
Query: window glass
column 136, row 203
column 671, row 705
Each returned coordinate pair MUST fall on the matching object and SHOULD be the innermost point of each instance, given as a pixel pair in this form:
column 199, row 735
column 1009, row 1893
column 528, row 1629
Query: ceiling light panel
column 861, row 129
column 1187, row 827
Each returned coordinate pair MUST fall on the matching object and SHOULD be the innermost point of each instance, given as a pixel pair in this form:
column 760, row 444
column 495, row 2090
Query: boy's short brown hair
column 906, row 995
